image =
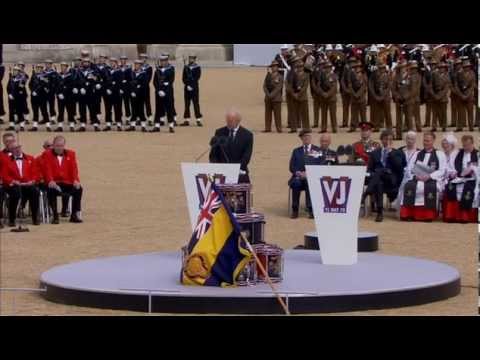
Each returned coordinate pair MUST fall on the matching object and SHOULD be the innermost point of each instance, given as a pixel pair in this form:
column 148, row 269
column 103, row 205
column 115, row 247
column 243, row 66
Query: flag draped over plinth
column 216, row 254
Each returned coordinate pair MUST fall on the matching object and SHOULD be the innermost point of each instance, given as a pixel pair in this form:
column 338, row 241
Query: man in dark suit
column 386, row 166
column 234, row 145
column 298, row 181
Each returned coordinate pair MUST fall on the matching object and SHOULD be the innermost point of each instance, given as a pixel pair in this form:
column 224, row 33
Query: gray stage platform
column 151, row 282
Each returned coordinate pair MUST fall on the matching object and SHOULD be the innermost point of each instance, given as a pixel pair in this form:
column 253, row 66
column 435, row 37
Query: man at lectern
column 234, row 145
column 298, row 181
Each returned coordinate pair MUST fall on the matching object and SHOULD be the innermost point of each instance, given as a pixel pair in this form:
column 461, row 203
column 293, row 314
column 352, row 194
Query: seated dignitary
column 424, row 183
column 449, row 143
column 325, row 155
column 234, row 145
column 386, row 166
column 20, row 178
column 363, row 148
column 298, row 181
column 62, row 178
column 410, row 151
column 460, row 199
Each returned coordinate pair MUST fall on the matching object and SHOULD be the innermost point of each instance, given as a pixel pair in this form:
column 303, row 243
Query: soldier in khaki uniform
column 401, row 93
column 288, row 80
column 272, row 87
column 380, row 99
column 416, row 80
column 314, row 88
column 298, row 89
column 345, row 91
column 358, row 89
column 328, row 90
column 440, row 88
column 454, row 95
column 465, row 84
column 427, row 84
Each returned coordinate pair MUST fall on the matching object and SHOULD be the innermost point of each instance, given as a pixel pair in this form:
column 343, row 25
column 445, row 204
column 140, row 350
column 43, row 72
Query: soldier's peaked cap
column 123, row 57
column 64, row 63
column 103, row 56
column 86, row 59
column 143, row 55
column 192, row 56
column 365, row 125
column 138, row 61
column 164, row 57
column 48, row 61
column 113, row 59
column 21, row 63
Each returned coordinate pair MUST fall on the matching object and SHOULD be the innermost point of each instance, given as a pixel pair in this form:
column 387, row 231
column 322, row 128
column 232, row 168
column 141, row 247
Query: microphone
column 212, row 144
column 348, row 150
column 341, row 150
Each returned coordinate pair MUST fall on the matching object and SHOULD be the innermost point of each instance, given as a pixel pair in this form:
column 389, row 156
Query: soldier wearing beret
column 273, row 87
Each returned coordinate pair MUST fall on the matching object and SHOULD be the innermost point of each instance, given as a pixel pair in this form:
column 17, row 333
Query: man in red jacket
column 20, row 178
column 62, row 178
column 7, row 138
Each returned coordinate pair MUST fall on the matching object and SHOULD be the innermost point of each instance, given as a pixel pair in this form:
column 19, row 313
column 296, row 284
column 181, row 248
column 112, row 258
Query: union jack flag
column 211, row 204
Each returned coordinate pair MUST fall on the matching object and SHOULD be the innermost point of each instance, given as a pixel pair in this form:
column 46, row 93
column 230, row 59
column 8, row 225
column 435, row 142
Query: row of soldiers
column 364, row 78
column 77, row 91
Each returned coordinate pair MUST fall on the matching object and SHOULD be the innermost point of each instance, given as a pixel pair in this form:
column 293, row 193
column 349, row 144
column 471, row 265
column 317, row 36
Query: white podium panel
column 336, row 193
column 195, row 179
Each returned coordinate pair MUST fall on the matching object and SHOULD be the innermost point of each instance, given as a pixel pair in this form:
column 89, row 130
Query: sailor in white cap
column 39, row 89
column 52, row 77
column 17, row 98
column 137, row 85
column 149, row 71
column 163, row 82
column 338, row 47
column 191, row 77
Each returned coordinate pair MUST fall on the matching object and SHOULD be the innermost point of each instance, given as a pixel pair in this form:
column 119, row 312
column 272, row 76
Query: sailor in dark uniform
column 90, row 87
column 103, row 69
column 17, row 98
column 39, row 86
column 163, row 83
column 66, row 92
column 137, row 86
column 52, row 76
column 113, row 97
column 191, row 77
column 125, row 87
column 148, row 69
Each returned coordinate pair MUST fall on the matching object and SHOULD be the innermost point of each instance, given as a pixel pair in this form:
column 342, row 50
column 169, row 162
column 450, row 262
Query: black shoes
column 107, row 128
column 75, row 219
column 56, row 220
column 34, row 129
column 199, row 124
column 49, row 129
column 294, row 215
column 11, row 224
column 171, row 130
column 310, row 215
column 130, row 128
column 65, row 214
column 155, row 129
column 36, row 222
column 379, row 217
column 185, row 123
column 59, row 129
column 82, row 129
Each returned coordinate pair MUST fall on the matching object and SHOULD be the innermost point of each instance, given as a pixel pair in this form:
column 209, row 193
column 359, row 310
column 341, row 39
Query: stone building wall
column 66, row 52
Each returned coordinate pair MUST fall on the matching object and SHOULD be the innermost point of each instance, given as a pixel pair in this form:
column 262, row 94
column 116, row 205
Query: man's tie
column 384, row 157
column 231, row 135
column 305, row 149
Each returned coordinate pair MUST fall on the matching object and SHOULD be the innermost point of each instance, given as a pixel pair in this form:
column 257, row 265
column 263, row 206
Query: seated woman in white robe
column 460, row 200
column 424, row 183
column 410, row 151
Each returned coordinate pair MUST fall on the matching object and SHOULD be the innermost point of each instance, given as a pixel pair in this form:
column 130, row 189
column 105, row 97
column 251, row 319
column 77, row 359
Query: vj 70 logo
column 335, row 194
column 204, row 185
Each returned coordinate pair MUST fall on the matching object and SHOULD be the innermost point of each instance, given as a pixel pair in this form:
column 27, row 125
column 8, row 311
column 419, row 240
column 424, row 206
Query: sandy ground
column 135, row 203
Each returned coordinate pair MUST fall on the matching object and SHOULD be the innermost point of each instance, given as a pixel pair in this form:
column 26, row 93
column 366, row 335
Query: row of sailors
column 119, row 85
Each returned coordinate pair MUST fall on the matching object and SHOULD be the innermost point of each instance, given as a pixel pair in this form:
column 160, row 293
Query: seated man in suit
column 62, row 178
column 386, row 166
column 20, row 178
column 327, row 155
column 235, row 145
column 298, row 181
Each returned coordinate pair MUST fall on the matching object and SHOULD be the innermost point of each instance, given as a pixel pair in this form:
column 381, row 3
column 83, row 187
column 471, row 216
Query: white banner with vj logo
column 197, row 186
column 336, row 193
